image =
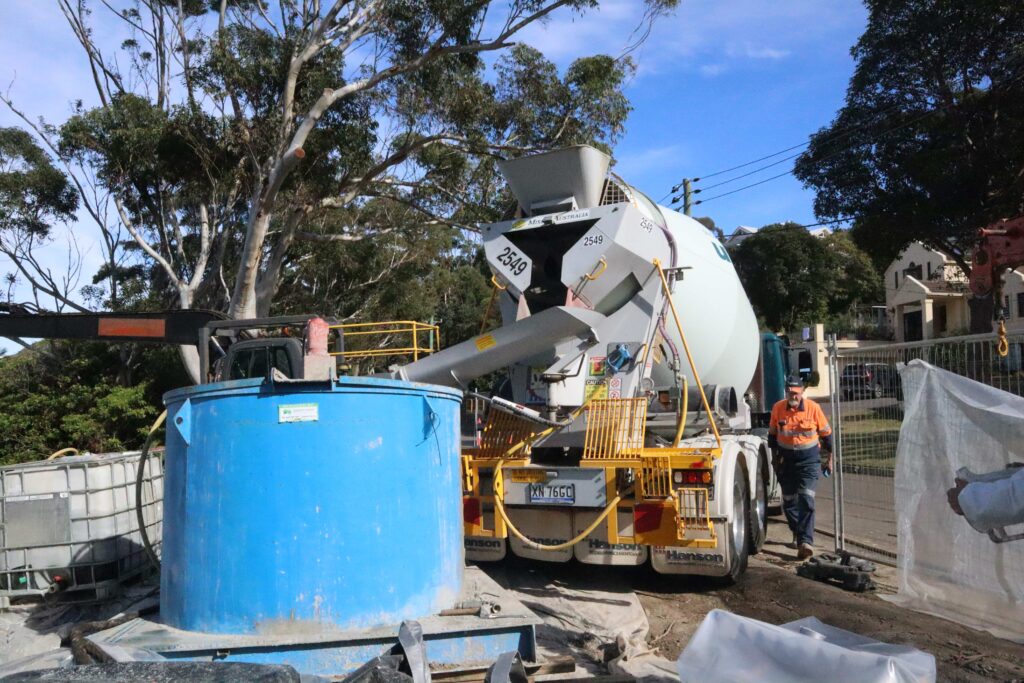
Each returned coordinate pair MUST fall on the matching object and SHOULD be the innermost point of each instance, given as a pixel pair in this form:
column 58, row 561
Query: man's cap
column 794, row 383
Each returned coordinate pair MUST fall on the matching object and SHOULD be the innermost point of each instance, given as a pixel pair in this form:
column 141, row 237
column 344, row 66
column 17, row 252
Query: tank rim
column 340, row 385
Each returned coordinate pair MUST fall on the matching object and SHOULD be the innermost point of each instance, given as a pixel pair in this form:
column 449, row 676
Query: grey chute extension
column 531, row 336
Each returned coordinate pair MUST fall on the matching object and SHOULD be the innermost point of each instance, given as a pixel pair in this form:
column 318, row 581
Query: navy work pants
column 800, row 471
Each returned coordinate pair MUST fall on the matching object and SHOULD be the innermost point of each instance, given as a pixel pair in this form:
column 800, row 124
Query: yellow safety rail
column 422, row 338
column 689, row 359
column 502, row 431
column 615, row 428
column 692, row 504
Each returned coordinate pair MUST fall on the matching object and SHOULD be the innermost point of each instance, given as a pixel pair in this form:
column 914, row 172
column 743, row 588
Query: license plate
column 556, row 494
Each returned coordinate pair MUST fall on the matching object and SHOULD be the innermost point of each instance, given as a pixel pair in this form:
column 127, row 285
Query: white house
column 926, row 295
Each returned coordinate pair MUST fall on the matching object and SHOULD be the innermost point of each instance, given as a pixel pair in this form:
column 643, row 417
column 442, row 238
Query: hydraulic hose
column 150, row 553
column 559, row 546
column 61, row 453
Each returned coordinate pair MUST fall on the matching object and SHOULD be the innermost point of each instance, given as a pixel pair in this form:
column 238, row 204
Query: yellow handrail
column 689, row 357
column 392, row 327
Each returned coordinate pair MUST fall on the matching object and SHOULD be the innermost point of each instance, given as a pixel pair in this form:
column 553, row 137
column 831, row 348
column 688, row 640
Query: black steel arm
column 166, row 327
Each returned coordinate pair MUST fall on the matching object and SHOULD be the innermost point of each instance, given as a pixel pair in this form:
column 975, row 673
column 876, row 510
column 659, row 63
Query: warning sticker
column 298, row 412
column 485, row 342
column 596, row 366
column 595, row 389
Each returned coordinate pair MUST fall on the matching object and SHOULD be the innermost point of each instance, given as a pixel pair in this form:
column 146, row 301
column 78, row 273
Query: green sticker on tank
column 298, row 412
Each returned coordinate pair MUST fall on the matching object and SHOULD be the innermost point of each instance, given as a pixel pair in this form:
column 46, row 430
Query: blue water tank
column 310, row 507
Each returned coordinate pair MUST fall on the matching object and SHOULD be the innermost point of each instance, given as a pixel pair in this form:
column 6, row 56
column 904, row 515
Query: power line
column 748, row 173
column 764, row 158
column 835, row 153
column 839, row 135
column 745, row 187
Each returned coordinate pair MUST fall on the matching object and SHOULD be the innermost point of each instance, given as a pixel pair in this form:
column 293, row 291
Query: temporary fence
column 866, row 411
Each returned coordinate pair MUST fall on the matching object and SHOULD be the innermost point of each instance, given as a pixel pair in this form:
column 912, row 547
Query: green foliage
column 929, row 145
column 63, row 394
column 33, row 192
column 793, row 277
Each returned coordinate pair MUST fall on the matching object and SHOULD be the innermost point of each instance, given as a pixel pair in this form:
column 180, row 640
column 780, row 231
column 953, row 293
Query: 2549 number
column 513, row 261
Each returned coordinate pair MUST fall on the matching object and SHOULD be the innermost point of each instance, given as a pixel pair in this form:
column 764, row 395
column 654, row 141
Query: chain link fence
column 866, row 410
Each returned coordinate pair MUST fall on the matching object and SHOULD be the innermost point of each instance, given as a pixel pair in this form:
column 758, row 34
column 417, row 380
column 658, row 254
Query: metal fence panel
column 867, row 411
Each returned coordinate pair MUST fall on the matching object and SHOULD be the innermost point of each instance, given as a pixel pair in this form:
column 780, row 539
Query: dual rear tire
column 748, row 525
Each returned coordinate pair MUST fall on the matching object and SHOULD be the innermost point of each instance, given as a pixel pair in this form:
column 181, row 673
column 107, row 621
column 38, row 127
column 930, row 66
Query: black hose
column 150, row 553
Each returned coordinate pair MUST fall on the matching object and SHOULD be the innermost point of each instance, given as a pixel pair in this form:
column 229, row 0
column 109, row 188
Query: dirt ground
column 772, row 592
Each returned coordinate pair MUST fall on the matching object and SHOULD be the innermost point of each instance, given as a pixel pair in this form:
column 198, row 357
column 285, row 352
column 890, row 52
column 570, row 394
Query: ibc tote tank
column 307, row 507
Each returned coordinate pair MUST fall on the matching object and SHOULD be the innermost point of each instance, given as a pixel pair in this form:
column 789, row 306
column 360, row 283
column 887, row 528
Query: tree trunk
column 189, row 354
column 243, row 300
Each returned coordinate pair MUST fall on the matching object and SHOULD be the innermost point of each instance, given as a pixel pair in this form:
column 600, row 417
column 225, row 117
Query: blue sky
column 719, row 83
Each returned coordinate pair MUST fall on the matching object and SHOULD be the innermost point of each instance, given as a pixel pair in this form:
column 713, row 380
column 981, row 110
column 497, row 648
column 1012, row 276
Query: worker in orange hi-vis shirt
column 798, row 434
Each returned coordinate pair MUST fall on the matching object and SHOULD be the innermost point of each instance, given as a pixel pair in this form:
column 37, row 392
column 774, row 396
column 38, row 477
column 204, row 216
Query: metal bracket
column 182, row 421
column 508, row 668
column 413, row 647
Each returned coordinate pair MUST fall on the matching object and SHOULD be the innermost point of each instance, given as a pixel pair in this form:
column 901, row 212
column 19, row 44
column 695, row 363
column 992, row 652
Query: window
column 914, row 270
column 1020, row 304
column 1006, row 305
column 940, row 318
column 896, row 280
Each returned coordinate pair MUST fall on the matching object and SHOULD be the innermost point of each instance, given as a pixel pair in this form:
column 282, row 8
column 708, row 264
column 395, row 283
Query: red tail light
column 471, row 510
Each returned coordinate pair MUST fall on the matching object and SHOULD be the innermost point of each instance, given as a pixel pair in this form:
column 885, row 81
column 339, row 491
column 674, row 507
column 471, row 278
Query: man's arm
column 824, row 438
column 990, row 505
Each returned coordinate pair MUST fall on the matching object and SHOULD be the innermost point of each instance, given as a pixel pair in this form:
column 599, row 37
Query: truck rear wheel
column 739, row 526
column 759, row 510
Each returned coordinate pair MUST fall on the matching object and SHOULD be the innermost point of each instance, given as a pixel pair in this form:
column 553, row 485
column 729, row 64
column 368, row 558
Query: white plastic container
column 70, row 523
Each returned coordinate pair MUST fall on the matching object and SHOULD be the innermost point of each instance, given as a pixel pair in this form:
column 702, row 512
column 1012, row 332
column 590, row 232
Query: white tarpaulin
column 950, row 565
column 585, row 623
column 728, row 648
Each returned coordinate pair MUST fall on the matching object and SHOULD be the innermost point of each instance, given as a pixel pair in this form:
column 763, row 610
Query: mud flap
column 546, row 526
column 485, row 548
column 595, row 549
column 687, row 560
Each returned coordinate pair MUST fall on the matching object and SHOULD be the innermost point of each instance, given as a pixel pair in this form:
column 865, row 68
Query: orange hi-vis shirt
column 800, row 428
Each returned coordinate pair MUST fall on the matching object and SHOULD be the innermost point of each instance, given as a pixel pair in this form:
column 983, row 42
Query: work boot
column 793, row 545
column 805, row 552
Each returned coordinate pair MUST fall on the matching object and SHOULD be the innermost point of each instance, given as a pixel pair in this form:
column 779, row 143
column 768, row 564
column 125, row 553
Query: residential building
column 926, row 295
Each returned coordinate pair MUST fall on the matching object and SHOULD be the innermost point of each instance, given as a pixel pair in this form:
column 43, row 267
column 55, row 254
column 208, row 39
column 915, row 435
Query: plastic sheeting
column 728, row 648
column 602, row 629
column 947, row 567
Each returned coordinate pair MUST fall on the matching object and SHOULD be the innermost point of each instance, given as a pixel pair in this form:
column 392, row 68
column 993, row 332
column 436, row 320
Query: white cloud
column 750, row 51
column 712, row 70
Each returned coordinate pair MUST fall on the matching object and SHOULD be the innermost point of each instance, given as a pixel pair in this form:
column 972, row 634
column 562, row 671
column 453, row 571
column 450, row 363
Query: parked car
column 874, row 380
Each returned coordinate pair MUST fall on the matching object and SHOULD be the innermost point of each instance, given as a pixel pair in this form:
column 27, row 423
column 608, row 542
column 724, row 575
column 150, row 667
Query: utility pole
column 687, row 196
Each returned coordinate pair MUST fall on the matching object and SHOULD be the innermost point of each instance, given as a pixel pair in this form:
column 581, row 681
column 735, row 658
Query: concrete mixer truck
column 634, row 361
column 630, row 344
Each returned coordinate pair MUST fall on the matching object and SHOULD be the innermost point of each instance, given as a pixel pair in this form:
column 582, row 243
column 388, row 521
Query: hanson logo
column 548, row 541
column 694, row 558
column 483, row 543
column 596, row 544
